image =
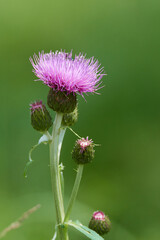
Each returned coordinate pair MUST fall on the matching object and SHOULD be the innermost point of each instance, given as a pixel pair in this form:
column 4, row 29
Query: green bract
column 61, row 102
column 40, row 117
column 83, row 151
column 70, row 119
column 100, row 223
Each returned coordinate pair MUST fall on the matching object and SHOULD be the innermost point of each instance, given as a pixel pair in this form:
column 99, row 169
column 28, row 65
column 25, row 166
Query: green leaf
column 44, row 139
column 85, row 230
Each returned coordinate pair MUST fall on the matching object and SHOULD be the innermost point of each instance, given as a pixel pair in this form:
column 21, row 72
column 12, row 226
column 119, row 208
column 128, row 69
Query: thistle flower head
column 40, row 117
column 100, row 223
column 61, row 72
column 70, row 119
column 83, row 151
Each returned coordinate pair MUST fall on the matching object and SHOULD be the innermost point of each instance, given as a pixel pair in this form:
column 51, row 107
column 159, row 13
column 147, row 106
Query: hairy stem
column 55, row 147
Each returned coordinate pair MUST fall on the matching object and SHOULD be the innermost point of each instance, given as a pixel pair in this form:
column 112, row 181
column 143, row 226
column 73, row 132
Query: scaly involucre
column 63, row 73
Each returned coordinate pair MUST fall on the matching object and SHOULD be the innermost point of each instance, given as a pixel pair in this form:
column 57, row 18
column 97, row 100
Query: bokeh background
column 124, row 179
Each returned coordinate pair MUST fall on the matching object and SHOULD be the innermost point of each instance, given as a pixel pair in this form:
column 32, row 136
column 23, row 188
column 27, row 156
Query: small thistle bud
column 83, row 151
column 61, row 101
column 70, row 119
column 40, row 117
column 100, row 223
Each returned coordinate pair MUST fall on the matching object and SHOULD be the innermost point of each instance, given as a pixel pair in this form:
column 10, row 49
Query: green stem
column 74, row 192
column 55, row 147
column 61, row 136
column 74, row 132
column 61, row 167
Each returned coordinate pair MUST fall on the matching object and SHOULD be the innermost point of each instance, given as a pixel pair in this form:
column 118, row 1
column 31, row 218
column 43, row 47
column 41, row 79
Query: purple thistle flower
column 83, row 151
column 61, row 72
column 84, row 143
column 36, row 105
column 99, row 215
column 100, row 223
column 40, row 117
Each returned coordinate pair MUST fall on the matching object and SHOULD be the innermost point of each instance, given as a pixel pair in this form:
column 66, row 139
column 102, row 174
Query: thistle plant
column 66, row 76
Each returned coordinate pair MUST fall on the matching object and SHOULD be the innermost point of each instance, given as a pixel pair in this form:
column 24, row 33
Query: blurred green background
column 124, row 179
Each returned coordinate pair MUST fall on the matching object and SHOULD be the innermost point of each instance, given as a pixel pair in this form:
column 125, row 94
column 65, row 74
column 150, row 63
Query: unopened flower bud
column 70, row 119
column 83, row 151
column 40, row 117
column 100, row 223
column 62, row 102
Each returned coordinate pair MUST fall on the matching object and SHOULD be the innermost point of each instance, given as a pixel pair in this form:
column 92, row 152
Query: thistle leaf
column 44, row 139
column 85, row 230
